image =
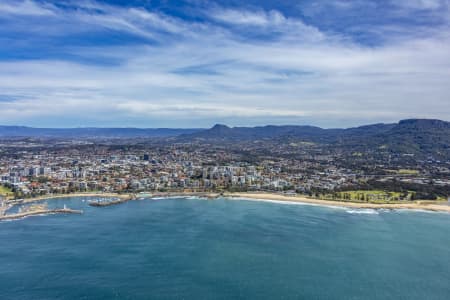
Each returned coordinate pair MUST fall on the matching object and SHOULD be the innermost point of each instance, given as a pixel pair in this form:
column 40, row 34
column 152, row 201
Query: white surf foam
column 172, row 197
column 401, row 210
column 363, row 211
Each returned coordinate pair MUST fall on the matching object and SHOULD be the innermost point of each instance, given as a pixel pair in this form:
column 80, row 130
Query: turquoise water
column 225, row 249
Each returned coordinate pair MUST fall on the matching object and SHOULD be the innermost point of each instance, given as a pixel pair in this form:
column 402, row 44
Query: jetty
column 21, row 215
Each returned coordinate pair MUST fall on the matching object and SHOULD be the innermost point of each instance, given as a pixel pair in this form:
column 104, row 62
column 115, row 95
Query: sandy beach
column 417, row 205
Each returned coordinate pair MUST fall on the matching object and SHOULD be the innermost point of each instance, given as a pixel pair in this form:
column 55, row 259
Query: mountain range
column 408, row 127
column 426, row 136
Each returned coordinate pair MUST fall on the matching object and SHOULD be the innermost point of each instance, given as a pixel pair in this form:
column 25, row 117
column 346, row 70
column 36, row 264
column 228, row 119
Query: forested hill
column 417, row 136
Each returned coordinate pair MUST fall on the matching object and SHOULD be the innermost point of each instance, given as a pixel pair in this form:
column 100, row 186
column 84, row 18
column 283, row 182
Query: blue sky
column 194, row 63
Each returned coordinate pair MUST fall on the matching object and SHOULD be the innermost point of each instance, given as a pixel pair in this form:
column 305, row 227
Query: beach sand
column 417, row 205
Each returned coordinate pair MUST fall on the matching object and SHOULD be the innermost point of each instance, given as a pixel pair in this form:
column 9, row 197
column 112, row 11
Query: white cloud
column 203, row 71
column 315, row 8
column 246, row 17
column 267, row 22
column 26, row 7
column 134, row 20
column 421, row 4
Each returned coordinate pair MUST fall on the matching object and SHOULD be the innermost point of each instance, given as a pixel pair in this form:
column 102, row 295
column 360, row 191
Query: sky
column 194, row 63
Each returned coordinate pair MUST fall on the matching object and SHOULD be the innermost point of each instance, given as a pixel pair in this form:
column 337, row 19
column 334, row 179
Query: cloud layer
column 85, row 63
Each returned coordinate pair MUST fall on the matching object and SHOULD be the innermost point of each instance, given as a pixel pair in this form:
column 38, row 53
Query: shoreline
column 262, row 196
column 59, row 196
column 436, row 207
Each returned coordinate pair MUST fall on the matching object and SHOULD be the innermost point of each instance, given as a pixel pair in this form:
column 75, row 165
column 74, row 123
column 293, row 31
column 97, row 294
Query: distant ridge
column 413, row 135
column 91, row 132
column 220, row 131
column 416, row 136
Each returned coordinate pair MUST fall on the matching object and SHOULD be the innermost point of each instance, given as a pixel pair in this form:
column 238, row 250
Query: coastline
column 418, row 205
column 262, row 196
column 3, row 209
column 58, row 196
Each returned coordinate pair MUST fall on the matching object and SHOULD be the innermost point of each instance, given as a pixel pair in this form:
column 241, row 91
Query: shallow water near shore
column 225, row 249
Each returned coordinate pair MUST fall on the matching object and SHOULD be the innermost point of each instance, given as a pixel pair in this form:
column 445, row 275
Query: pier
column 40, row 212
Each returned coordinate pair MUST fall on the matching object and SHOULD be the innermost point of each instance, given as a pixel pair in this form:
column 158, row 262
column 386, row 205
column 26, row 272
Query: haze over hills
column 417, row 136
column 404, row 127
column 90, row 132
column 219, row 131
column 424, row 136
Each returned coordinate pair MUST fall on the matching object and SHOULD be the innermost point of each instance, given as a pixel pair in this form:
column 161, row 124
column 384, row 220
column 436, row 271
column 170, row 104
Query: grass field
column 408, row 172
column 404, row 172
column 300, row 144
column 4, row 191
column 374, row 196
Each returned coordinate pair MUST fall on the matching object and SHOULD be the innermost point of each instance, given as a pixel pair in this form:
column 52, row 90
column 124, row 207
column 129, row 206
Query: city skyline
column 192, row 64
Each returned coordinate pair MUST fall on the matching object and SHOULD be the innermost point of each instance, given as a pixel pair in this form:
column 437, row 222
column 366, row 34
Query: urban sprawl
column 31, row 168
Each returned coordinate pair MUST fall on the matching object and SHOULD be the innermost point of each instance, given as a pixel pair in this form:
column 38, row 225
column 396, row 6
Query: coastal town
column 31, row 168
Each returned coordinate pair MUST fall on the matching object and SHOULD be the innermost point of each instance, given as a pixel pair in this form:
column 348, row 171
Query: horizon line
column 217, row 124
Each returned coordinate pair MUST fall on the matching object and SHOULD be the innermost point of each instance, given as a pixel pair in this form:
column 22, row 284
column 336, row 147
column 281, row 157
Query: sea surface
column 225, row 249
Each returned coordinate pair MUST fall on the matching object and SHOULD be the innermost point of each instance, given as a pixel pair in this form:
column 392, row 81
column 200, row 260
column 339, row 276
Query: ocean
column 225, row 249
